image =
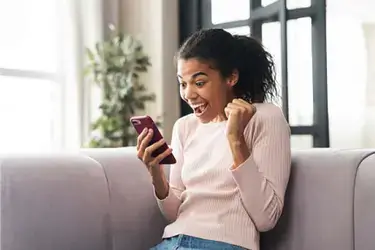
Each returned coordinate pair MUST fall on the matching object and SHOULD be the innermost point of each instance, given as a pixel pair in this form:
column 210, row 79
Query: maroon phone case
column 142, row 122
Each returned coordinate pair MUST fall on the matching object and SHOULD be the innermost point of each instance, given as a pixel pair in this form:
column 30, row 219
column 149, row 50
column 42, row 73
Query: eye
column 200, row 84
column 182, row 84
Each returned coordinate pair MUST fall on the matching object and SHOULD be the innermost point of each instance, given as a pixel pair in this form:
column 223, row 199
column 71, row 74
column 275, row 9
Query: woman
column 233, row 153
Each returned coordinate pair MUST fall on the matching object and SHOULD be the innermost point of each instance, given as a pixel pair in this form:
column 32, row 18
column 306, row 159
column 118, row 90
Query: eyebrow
column 195, row 75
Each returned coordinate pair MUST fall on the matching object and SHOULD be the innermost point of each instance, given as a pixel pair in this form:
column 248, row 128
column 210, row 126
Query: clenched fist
column 239, row 113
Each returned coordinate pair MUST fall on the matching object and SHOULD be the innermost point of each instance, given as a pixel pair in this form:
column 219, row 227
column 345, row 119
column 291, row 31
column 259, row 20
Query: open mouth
column 200, row 108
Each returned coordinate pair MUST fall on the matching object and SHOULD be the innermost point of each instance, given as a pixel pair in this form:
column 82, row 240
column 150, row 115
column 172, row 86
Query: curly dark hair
column 226, row 53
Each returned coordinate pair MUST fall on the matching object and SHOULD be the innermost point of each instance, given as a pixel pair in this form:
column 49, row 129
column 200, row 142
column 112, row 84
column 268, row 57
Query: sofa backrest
column 330, row 202
column 102, row 199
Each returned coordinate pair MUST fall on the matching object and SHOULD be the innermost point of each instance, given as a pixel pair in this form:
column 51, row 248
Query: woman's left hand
column 239, row 113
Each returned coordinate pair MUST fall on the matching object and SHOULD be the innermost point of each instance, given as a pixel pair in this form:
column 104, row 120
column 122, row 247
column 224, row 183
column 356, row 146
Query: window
column 44, row 100
column 300, row 79
column 30, row 81
column 220, row 13
column 243, row 30
column 294, row 32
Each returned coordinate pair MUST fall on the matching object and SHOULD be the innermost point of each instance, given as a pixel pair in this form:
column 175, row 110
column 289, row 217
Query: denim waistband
column 191, row 242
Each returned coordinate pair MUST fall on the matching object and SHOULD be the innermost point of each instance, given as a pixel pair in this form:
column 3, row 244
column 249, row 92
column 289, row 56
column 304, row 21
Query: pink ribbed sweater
column 209, row 200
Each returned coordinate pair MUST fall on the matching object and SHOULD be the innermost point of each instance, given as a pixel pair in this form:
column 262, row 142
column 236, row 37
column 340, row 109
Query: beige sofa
column 101, row 199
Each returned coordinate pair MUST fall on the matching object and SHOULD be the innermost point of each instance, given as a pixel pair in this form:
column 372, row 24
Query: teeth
column 198, row 105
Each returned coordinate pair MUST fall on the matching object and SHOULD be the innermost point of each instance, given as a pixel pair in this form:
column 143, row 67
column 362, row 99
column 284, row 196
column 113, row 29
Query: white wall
column 346, row 72
column 351, row 57
column 369, row 128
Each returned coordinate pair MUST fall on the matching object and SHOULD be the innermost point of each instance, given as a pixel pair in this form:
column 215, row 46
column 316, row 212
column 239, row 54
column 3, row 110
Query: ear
column 233, row 78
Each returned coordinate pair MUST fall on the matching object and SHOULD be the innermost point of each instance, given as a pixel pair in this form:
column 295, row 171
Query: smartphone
column 142, row 122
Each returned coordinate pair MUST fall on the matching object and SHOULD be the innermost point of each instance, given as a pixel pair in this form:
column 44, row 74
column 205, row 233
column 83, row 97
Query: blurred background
column 72, row 72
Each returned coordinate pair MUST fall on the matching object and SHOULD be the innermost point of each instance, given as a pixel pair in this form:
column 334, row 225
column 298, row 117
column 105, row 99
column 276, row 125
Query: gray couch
column 101, row 199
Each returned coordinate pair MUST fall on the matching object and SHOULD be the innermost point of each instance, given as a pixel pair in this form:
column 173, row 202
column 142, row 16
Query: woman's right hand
column 144, row 152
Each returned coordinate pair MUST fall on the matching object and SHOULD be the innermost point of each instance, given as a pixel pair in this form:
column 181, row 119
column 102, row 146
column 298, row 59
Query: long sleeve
column 170, row 205
column 262, row 179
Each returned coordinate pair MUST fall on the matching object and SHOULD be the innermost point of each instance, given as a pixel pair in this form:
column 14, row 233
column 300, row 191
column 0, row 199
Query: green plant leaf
column 90, row 55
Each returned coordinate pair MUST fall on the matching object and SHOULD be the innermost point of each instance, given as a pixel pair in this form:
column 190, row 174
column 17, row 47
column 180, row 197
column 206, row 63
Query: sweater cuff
column 246, row 174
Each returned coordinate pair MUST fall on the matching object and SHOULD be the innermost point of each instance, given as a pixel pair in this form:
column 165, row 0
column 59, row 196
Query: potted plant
column 115, row 65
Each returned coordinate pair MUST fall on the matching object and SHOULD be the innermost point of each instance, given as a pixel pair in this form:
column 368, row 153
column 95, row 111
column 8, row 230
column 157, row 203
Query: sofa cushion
column 137, row 222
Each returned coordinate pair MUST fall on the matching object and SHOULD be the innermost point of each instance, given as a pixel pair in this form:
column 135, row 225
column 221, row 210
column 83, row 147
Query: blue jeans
column 185, row 242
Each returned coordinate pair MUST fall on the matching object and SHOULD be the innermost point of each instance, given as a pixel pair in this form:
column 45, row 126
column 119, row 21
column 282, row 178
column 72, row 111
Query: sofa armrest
column 53, row 202
column 364, row 204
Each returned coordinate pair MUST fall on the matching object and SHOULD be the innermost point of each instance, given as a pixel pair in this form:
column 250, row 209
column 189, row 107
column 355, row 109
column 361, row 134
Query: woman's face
column 204, row 89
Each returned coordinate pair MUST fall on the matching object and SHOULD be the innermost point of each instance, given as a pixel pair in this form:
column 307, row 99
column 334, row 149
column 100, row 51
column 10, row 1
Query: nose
column 189, row 93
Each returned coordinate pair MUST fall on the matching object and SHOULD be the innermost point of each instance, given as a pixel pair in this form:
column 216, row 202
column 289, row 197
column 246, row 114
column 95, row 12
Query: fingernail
column 144, row 130
column 150, row 130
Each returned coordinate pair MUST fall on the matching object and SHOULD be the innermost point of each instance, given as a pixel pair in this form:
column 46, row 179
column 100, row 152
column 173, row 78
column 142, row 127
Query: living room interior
column 54, row 109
